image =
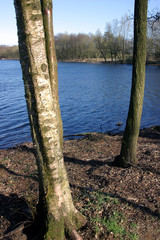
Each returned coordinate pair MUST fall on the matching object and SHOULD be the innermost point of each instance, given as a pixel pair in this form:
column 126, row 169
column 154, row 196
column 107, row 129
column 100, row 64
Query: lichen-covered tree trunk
column 56, row 210
column 51, row 56
column 129, row 143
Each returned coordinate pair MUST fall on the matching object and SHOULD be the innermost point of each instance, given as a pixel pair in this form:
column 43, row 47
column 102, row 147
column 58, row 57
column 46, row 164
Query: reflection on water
column 93, row 97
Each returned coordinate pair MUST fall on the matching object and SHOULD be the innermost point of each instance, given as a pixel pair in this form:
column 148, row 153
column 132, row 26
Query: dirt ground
column 118, row 203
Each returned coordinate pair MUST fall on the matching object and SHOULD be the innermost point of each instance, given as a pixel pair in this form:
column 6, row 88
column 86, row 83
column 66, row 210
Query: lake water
column 93, row 98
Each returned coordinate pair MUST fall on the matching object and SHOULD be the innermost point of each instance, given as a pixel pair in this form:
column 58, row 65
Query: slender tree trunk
column 129, row 143
column 123, row 50
column 51, row 56
column 56, row 210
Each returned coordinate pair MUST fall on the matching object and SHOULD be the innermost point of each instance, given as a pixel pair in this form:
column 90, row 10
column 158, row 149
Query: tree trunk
column 51, row 56
column 129, row 143
column 56, row 210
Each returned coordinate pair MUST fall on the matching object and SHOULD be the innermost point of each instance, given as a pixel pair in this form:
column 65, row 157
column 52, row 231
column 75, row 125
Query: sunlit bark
column 51, row 57
column 56, row 210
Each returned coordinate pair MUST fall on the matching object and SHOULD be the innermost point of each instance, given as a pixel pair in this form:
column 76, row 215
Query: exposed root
column 14, row 231
column 71, row 232
column 74, row 235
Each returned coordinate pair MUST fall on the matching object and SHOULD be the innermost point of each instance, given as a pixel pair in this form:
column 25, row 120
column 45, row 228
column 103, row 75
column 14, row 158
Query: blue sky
column 72, row 16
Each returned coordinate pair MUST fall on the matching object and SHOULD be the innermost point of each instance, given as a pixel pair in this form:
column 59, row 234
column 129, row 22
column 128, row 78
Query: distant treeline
column 88, row 46
column 115, row 44
column 7, row 52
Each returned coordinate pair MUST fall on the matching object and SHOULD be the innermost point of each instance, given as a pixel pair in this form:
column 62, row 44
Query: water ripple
column 93, row 97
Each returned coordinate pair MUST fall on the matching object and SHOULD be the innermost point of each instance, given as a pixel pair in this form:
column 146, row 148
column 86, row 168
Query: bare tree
column 56, row 211
column 100, row 45
column 125, row 27
column 153, row 43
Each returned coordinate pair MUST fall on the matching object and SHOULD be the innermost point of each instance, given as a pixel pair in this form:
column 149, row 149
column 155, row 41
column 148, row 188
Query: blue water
column 93, row 97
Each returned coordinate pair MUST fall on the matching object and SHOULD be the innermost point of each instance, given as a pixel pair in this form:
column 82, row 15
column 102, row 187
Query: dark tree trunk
column 129, row 144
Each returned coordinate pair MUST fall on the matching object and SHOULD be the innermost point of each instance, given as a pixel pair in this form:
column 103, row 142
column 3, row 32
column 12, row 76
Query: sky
column 71, row 16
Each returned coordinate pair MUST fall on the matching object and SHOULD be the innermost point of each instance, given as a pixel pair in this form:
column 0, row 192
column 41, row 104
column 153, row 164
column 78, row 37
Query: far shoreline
column 95, row 61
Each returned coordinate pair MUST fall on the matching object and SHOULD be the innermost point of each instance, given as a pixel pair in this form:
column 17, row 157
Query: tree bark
column 129, row 143
column 56, row 210
column 51, row 57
